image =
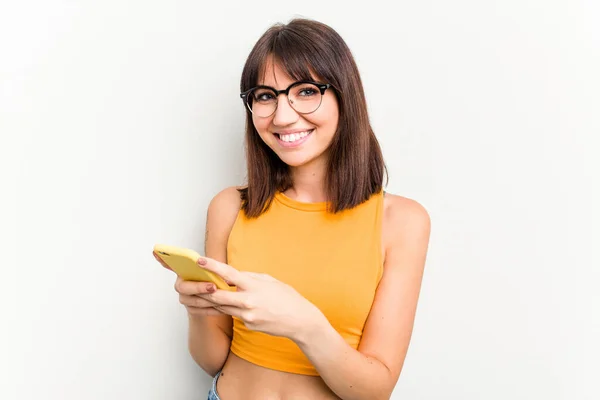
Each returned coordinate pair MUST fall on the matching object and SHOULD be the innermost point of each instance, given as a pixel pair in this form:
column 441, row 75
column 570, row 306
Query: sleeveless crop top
column 333, row 260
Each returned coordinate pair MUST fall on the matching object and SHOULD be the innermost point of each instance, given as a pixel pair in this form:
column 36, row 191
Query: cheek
column 262, row 127
column 329, row 116
column 328, row 120
column 261, row 124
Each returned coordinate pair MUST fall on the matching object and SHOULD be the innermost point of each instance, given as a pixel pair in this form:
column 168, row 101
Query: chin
column 295, row 161
column 298, row 160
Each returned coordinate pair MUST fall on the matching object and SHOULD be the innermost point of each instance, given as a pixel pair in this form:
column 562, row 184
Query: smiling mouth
column 294, row 138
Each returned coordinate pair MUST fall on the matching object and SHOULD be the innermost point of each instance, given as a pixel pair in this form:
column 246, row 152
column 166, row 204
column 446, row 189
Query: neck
column 309, row 183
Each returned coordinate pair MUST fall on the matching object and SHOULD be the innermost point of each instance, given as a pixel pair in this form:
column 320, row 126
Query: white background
column 120, row 120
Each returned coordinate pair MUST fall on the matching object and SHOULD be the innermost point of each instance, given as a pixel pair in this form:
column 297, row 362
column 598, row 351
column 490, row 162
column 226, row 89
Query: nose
column 284, row 114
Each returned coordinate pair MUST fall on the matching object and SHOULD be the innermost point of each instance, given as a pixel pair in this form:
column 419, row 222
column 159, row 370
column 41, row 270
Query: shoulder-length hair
column 356, row 168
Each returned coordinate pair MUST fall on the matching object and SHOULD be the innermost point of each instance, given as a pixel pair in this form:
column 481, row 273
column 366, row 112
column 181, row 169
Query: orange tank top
column 333, row 260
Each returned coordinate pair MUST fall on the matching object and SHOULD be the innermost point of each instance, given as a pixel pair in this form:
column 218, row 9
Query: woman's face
column 285, row 131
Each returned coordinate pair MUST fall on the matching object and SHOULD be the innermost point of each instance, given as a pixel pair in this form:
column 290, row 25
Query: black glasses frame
column 322, row 88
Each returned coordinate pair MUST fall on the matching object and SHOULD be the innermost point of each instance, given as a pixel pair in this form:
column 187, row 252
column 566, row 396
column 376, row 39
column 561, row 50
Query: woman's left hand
column 262, row 302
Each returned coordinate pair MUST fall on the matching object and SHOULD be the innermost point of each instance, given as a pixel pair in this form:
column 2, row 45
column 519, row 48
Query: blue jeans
column 212, row 394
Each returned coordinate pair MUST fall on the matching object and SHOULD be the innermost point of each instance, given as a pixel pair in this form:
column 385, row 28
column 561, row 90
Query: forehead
column 273, row 73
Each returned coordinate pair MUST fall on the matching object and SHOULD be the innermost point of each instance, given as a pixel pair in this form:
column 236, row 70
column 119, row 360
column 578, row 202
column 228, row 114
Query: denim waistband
column 212, row 394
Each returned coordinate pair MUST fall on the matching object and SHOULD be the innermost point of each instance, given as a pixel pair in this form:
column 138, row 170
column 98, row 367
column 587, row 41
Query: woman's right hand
column 189, row 291
column 195, row 305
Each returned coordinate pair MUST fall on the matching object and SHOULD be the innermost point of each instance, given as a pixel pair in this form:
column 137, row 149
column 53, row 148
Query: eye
column 264, row 96
column 307, row 91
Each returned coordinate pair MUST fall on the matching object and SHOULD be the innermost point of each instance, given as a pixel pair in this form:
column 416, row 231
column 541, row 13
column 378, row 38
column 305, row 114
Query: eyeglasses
column 305, row 97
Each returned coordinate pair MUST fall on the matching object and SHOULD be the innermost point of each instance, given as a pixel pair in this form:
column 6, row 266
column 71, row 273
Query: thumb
column 231, row 275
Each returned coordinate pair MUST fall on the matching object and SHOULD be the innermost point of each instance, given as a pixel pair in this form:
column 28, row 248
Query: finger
column 227, row 298
column 230, row 310
column 226, row 271
column 261, row 277
column 195, row 301
column 193, row 288
column 228, row 282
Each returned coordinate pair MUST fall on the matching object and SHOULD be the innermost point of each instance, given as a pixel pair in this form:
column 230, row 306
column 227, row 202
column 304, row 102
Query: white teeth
column 292, row 137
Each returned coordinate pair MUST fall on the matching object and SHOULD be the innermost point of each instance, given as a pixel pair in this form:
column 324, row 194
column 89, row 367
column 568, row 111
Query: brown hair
column 355, row 168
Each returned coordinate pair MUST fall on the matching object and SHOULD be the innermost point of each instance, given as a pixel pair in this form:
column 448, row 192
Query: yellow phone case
column 184, row 262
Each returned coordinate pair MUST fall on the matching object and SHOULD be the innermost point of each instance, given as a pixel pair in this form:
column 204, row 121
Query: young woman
column 327, row 265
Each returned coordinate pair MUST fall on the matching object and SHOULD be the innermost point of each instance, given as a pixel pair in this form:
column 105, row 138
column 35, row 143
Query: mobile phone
column 184, row 262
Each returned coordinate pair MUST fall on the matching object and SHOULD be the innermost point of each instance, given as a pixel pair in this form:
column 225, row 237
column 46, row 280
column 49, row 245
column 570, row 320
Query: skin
column 263, row 303
column 308, row 161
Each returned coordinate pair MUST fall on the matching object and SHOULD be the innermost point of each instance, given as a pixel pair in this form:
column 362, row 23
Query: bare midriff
column 243, row 380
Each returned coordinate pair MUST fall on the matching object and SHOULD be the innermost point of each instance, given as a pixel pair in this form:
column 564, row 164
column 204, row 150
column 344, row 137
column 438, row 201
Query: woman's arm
column 372, row 371
column 210, row 336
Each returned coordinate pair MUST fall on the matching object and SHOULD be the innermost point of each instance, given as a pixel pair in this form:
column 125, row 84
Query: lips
column 293, row 139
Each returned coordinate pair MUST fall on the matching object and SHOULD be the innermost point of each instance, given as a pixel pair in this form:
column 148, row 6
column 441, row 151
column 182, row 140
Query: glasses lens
column 262, row 102
column 305, row 97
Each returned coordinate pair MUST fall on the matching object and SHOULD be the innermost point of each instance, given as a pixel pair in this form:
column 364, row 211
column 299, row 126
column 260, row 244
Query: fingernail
column 211, row 288
column 202, row 261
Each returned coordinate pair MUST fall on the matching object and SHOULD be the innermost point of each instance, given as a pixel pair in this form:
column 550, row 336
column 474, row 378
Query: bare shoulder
column 406, row 223
column 222, row 213
column 226, row 203
column 403, row 211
